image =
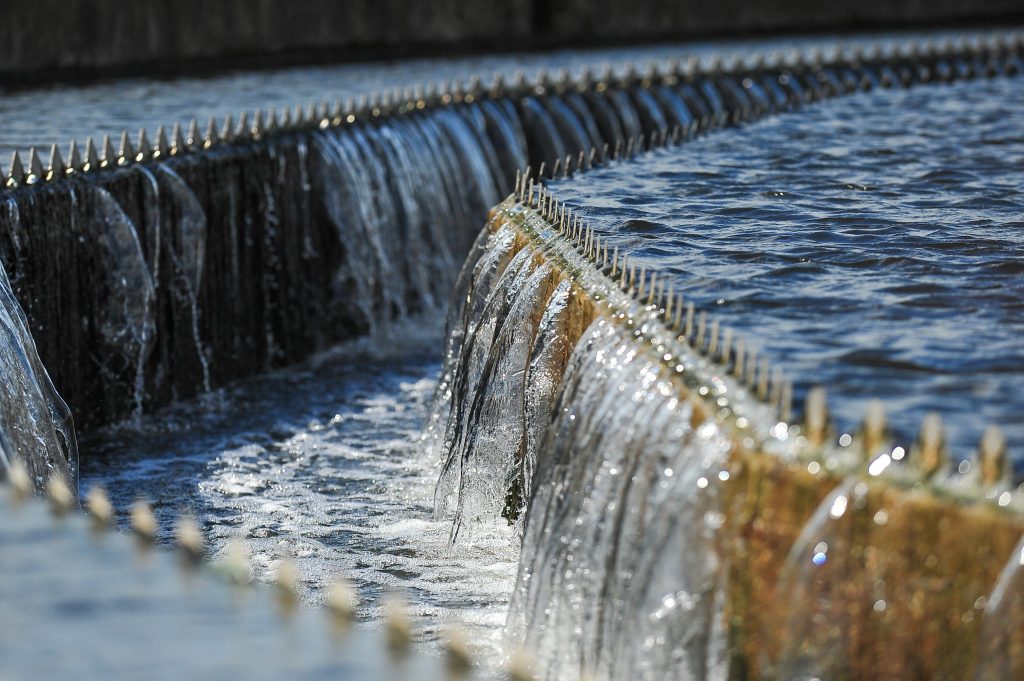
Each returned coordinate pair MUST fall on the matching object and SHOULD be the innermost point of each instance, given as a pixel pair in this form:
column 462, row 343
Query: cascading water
column 542, row 408
column 657, row 499
column 625, row 580
column 654, row 496
column 36, row 428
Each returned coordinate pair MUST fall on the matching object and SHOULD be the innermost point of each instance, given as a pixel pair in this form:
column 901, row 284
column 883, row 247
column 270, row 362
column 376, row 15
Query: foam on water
column 322, row 464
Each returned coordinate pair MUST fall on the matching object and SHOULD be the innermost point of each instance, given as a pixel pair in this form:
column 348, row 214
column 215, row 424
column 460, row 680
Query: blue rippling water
column 873, row 245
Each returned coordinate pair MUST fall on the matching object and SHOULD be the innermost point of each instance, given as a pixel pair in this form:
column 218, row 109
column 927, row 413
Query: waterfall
column 673, row 525
column 270, row 240
column 179, row 276
column 36, row 427
column 625, row 580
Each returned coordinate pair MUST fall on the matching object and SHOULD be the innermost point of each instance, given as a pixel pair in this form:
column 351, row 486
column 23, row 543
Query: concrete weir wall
column 165, row 267
column 42, row 39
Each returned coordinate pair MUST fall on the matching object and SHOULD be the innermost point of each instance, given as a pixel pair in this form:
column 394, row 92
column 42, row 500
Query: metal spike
column 751, row 378
column 244, row 132
column 258, row 129
column 994, row 466
column 458, row 658
column 35, row 167
column 227, row 132
column 193, row 140
column 287, row 583
column 163, row 148
column 874, row 427
column 98, row 505
column 178, row 144
column 143, row 522
column 144, row 150
column 786, row 402
column 554, row 170
column 16, row 175
column 816, row 416
column 726, row 345
column 109, row 155
column 125, row 152
column 236, row 561
column 775, row 388
column 271, row 121
column 688, row 330
column 928, row 454
column 762, row 383
column 60, row 496
column 211, row 138
column 615, row 261
column 20, row 481
column 713, row 342
column 702, row 323
column 741, row 356
column 342, row 601
column 189, row 538
column 74, row 158
column 397, row 624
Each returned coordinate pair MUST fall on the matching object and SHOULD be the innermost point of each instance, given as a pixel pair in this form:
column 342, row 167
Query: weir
column 666, row 496
column 679, row 521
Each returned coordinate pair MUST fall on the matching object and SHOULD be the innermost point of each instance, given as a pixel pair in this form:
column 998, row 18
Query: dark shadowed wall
column 44, row 40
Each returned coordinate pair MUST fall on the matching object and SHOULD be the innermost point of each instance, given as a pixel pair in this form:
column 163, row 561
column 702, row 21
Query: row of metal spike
column 342, row 600
column 186, row 139
column 989, row 470
column 701, row 331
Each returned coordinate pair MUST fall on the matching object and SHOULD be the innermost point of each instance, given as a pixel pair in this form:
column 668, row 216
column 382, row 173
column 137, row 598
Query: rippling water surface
column 322, row 464
column 58, row 114
column 873, row 244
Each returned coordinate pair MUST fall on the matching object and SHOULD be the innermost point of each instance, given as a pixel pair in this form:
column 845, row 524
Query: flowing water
column 549, row 425
column 321, row 464
column 35, row 425
column 872, row 245
column 77, row 112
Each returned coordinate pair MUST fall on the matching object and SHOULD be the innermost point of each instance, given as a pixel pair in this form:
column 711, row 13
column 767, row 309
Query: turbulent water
column 36, row 427
column 323, row 465
column 872, row 245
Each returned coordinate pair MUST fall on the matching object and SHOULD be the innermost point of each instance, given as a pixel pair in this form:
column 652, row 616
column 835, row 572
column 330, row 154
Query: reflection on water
column 873, row 245
column 321, row 463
